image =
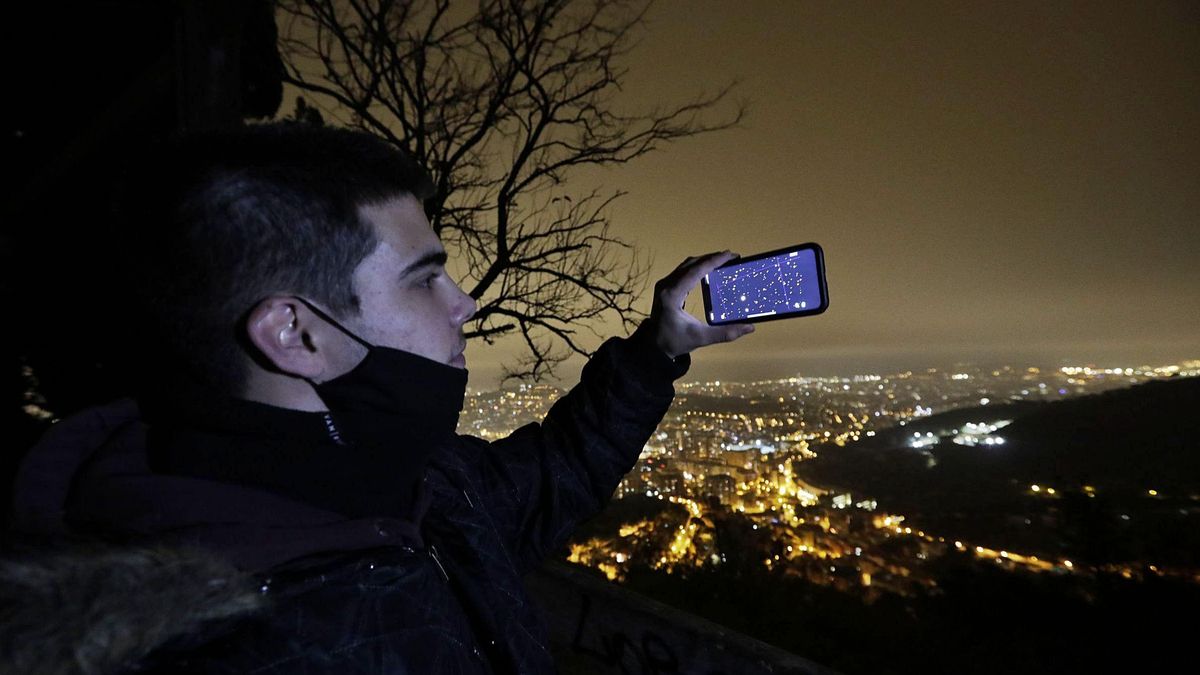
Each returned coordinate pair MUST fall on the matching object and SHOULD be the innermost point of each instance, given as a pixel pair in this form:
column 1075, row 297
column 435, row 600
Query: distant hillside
column 1147, row 436
column 1121, row 444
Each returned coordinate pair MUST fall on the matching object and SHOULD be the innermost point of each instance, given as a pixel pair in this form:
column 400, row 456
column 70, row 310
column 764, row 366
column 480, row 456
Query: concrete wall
column 599, row 628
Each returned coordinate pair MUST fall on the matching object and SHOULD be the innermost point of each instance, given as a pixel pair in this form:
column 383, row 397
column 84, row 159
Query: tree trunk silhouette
column 501, row 103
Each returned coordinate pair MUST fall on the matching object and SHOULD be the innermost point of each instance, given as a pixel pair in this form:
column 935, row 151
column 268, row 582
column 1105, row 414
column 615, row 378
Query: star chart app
column 767, row 286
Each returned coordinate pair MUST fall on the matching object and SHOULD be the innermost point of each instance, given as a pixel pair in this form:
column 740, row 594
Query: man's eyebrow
column 432, row 258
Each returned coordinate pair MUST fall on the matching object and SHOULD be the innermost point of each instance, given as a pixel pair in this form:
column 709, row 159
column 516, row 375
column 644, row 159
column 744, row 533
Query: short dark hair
column 225, row 219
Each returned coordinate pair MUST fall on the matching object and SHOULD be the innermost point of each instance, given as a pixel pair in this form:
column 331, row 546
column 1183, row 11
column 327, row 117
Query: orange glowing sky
column 994, row 181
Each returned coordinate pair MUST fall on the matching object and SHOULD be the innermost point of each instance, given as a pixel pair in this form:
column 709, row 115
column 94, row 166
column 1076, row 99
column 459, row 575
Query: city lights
column 729, row 450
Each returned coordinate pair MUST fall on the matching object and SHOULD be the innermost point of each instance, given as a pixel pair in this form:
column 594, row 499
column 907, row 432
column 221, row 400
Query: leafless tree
column 501, row 101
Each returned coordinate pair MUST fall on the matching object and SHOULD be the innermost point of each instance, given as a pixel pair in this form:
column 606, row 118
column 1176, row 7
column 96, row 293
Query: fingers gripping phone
column 779, row 284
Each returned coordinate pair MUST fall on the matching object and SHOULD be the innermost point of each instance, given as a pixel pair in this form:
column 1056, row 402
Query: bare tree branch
column 501, row 103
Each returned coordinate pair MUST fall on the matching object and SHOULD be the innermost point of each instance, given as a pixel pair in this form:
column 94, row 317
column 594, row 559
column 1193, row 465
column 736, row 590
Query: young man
column 307, row 376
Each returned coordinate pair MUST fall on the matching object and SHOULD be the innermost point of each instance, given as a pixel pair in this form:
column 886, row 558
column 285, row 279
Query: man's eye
column 428, row 282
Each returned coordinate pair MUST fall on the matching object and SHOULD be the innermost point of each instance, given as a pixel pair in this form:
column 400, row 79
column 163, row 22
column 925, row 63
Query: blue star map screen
column 785, row 284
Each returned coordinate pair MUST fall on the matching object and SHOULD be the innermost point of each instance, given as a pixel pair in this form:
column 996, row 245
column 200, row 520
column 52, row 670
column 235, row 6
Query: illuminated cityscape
column 724, row 476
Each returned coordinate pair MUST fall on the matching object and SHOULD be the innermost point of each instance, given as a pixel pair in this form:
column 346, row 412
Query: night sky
column 990, row 181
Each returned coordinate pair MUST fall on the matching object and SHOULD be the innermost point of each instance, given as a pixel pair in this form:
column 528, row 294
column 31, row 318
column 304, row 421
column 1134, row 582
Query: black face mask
column 395, row 407
column 389, row 382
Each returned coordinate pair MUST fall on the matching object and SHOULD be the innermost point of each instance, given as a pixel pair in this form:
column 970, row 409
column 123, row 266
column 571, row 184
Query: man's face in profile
column 407, row 301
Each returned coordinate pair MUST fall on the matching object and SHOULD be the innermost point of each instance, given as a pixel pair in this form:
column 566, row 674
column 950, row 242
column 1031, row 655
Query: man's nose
column 465, row 309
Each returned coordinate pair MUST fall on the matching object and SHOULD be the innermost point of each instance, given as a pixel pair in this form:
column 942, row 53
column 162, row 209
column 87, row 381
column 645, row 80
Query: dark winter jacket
column 439, row 591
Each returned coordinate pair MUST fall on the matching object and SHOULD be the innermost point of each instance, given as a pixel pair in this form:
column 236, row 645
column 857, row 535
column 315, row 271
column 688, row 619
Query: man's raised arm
column 540, row 481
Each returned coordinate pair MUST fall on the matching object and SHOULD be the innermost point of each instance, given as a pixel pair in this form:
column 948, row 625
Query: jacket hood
column 90, row 475
column 102, row 610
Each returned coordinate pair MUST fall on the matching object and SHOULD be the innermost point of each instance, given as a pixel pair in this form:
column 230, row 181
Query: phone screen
column 767, row 286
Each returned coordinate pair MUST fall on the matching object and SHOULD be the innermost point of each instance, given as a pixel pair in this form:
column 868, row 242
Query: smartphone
column 778, row 284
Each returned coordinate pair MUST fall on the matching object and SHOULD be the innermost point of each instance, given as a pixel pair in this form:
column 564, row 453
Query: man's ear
column 282, row 330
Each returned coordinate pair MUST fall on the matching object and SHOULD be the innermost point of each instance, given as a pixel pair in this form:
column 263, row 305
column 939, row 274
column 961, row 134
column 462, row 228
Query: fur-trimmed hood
column 97, row 609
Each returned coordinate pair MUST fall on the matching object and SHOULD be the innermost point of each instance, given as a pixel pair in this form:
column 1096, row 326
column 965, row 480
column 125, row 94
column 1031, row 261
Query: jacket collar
column 369, row 468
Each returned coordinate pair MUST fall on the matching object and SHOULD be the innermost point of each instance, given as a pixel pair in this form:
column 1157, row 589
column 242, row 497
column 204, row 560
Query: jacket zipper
column 433, row 554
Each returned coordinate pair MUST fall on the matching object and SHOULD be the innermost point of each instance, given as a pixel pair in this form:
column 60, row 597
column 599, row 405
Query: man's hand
column 674, row 330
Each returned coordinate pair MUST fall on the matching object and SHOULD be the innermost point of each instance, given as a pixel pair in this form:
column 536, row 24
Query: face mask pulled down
column 393, row 410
